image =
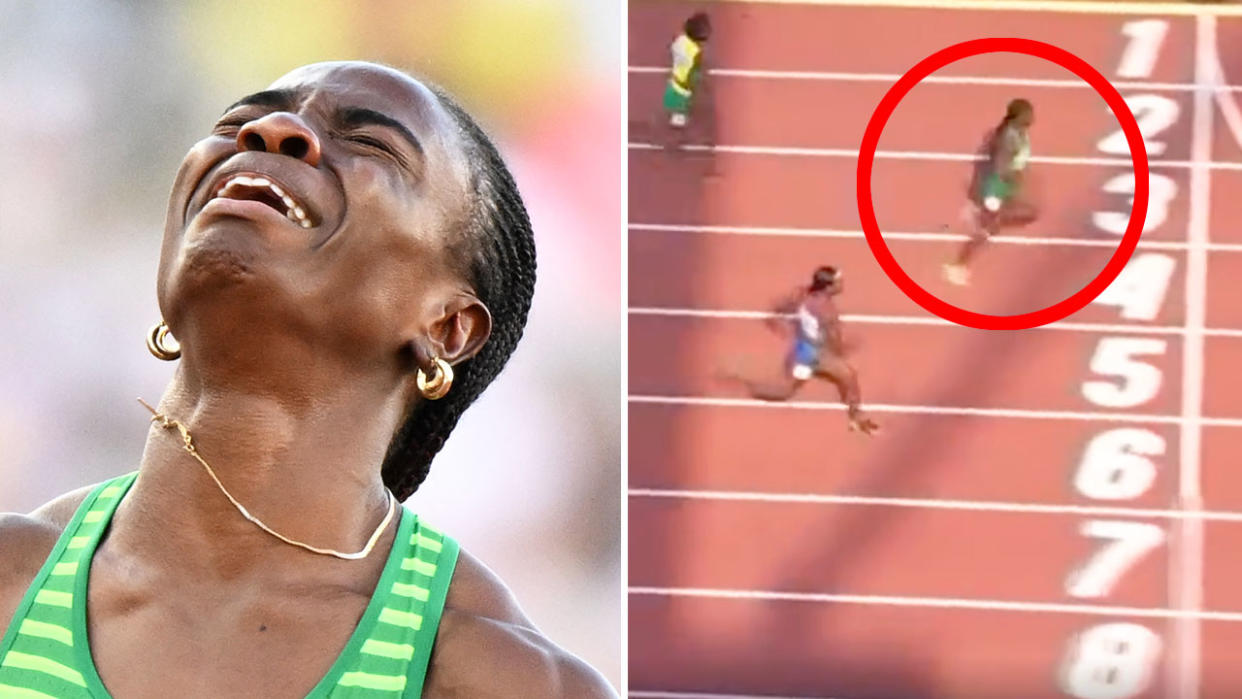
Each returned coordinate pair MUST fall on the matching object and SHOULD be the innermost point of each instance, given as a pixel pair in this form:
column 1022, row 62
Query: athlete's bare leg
column 967, row 252
column 778, row 388
column 675, row 128
column 1012, row 214
column 839, row 372
column 664, row 131
column 978, row 224
column 1016, row 213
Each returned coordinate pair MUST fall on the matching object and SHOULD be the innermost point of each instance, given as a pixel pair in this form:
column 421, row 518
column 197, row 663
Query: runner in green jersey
column 995, row 197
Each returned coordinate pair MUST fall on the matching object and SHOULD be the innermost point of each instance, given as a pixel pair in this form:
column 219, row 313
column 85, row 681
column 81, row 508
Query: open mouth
column 261, row 189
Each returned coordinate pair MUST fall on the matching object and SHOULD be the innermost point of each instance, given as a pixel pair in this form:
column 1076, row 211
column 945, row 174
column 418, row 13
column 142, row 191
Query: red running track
column 1033, row 492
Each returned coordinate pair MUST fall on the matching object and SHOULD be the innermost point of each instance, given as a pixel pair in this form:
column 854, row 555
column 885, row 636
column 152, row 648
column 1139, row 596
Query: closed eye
column 230, row 124
column 369, row 141
column 354, row 120
column 372, row 143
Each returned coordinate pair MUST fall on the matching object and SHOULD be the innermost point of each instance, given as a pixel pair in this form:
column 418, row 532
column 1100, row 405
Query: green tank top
column 1020, row 144
column 45, row 653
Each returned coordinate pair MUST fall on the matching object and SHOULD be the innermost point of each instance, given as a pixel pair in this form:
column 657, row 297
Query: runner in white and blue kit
column 818, row 349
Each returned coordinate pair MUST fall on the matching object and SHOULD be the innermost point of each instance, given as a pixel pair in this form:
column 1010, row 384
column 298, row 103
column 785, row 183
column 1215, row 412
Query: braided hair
column 500, row 264
column 1015, row 109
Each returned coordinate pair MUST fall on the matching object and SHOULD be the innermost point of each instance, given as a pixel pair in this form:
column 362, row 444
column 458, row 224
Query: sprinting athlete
column 686, row 74
column 995, row 196
column 818, row 348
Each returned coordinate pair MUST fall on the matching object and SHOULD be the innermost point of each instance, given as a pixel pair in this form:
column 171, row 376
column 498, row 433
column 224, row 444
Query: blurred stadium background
column 102, row 100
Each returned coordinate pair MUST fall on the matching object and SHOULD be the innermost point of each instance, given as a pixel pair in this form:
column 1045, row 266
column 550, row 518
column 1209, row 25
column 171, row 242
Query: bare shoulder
column 788, row 302
column 25, row 542
column 487, row 647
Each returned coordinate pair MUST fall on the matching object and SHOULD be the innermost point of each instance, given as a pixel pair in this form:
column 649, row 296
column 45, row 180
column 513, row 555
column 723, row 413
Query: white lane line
column 1090, row 416
column 932, row 603
column 791, row 151
column 1120, row 7
column 1187, row 545
column 833, row 76
column 881, row 319
column 927, row 503
column 791, row 232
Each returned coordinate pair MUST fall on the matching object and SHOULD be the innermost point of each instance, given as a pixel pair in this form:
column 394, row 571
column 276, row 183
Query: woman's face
column 333, row 198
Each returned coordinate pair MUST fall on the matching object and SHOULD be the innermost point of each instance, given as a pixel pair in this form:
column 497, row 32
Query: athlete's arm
column 698, row 69
column 486, row 647
column 834, row 336
column 782, row 308
column 1006, row 149
column 1018, row 178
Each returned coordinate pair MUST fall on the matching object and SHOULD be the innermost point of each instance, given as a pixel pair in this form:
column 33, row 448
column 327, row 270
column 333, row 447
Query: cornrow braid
column 501, row 267
column 1013, row 110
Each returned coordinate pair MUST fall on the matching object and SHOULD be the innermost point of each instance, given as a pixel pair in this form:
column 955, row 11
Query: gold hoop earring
column 438, row 386
column 162, row 344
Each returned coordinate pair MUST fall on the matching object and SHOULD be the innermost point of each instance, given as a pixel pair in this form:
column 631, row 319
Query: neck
column 309, row 471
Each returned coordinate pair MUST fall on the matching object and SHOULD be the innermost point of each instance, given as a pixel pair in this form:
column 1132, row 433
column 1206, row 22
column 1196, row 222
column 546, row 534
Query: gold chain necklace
column 168, row 423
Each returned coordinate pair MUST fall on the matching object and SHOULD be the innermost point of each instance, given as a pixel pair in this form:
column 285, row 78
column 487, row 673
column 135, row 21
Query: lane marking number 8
column 1111, row 661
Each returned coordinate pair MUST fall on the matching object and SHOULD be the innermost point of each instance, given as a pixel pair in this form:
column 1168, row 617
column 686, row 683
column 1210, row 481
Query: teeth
column 297, row 215
column 293, row 212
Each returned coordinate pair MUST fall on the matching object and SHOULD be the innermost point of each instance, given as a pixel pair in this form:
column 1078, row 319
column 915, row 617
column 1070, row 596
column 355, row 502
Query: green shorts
column 675, row 100
column 996, row 189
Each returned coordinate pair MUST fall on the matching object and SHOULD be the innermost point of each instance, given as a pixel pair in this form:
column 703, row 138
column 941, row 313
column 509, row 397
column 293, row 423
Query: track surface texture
column 1048, row 513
